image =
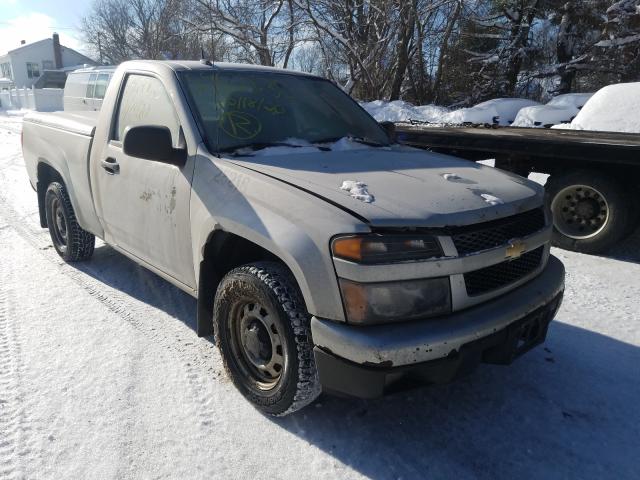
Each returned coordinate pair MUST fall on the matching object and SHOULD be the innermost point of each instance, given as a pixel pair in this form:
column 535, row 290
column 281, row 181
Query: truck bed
column 64, row 139
column 476, row 143
column 80, row 122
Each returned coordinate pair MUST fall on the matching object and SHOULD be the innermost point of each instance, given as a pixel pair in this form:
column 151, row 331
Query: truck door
column 144, row 204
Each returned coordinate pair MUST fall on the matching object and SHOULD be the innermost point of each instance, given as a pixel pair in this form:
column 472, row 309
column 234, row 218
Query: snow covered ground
column 103, row 376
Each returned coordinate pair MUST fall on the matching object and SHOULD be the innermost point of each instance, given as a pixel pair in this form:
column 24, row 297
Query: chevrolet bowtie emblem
column 515, row 249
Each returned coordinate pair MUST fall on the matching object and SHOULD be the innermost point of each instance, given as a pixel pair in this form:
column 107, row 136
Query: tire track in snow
column 10, row 384
column 14, row 125
column 199, row 358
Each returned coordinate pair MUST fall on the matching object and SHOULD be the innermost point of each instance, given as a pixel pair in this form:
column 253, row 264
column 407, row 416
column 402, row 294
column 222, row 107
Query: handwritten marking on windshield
column 240, row 125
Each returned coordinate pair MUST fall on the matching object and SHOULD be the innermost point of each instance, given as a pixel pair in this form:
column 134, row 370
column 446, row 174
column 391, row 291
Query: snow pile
column 562, row 109
column 450, row 176
column 288, row 146
column 612, row 109
column 15, row 113
column 295, row 146
column 576, row 100
column 400, row 111
column 491, row 199
column 357, row 190
column 502, row 111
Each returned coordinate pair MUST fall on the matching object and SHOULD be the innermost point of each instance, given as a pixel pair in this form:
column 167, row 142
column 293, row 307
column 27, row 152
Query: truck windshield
column 247, row 109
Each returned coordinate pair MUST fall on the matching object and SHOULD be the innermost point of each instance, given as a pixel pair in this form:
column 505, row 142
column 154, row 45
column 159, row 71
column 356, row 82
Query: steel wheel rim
column 59, row 227
column 258, row 344
column 580, row 212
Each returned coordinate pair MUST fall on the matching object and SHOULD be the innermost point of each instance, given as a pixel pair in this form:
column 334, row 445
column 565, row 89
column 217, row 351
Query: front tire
column 71, row 242
column 263, row 333
column 591, row 211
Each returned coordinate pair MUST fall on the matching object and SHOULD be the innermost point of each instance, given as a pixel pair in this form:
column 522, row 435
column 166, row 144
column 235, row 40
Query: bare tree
column 445, row 51
column 621, row 42
column 262, row 31
column 120, row 30
column 359, row 33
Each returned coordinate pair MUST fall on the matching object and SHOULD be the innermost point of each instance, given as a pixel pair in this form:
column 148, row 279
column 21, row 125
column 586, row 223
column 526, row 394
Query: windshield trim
column 215, row 149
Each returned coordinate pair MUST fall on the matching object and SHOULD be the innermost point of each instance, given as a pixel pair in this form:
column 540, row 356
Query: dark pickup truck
column 593, row 185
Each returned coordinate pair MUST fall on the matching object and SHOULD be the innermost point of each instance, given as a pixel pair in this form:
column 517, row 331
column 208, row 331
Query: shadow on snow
column 567, row 409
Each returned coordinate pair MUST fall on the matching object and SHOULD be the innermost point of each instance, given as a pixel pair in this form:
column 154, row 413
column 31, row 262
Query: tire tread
column 81, row 243
column 282, row 284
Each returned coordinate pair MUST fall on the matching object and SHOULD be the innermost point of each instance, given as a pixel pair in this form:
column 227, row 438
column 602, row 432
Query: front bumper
column 365, row 361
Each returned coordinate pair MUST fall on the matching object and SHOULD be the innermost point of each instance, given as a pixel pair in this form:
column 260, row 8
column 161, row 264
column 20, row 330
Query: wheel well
column 46, row 175
column 223, row 252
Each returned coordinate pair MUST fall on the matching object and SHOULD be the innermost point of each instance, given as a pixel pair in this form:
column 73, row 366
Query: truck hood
column 410, row 188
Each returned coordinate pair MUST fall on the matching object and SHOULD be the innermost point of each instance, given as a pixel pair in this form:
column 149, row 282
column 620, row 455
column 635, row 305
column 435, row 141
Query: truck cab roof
column 182, row 65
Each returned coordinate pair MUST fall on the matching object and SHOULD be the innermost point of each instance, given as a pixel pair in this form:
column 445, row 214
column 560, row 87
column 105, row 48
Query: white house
column 24, row 65
column 5, row 84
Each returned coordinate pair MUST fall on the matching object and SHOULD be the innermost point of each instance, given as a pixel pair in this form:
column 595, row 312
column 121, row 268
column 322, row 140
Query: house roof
column 24, row 47
column 45, row 40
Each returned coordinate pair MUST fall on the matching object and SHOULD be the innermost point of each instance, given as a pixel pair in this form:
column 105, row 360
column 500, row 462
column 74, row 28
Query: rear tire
column 262, row 329
column 592, row 211
column 71, row 242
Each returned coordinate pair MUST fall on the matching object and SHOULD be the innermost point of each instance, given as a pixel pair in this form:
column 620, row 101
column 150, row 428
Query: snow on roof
column 503, row 110
column 561, row 109
column 577, row 100
column 612, row 109
column 400, row 111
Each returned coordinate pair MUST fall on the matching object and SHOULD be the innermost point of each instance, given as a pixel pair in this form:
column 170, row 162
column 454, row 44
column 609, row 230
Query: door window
column 91, row 85
column 101, row 86
column 144, row 101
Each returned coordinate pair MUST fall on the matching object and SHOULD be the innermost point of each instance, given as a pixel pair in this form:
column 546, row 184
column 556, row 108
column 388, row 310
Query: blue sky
column 33, row 20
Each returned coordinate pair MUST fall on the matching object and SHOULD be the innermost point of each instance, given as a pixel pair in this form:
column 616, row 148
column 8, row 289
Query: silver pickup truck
column 323, row 255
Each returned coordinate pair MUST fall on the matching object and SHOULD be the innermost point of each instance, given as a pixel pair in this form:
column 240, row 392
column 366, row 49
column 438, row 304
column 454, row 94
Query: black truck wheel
column 591, row 211
column 263, row 333
column 71, row 242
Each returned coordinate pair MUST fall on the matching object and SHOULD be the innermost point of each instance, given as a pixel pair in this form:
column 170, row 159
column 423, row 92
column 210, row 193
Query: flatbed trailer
column 594, row 184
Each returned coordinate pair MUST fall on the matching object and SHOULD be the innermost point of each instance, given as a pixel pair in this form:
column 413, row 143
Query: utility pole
column 212, row 53
column 100, row 48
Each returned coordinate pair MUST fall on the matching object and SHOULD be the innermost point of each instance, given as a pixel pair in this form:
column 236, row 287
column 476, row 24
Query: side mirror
column 390, row 128
column 152, row 143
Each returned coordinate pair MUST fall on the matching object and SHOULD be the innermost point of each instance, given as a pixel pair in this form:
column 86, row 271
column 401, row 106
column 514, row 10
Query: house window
column 5, row 69
column 47, row 65
column 33, row 70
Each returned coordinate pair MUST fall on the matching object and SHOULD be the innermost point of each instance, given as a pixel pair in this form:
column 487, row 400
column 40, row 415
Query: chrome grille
column 495, row 233
column 496, row 276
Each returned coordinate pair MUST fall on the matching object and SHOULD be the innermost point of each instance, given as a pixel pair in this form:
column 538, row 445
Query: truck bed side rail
column 480, row 142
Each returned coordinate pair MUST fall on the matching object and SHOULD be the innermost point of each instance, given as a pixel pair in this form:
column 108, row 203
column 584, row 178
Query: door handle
column 111, row 166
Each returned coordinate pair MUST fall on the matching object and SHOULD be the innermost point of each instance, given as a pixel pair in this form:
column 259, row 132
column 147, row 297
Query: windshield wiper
column 258, row 146
column 354, row 138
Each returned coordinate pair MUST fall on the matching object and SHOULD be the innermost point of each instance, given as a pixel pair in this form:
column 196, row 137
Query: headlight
column 371, row 249
column 369, row 303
